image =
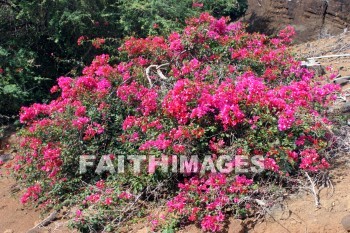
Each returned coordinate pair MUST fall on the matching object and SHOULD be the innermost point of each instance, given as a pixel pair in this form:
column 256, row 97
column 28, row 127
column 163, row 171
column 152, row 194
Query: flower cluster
column 206, row 199
column 31, row 193
column 97, row 42
column 101, row 195
column 81, row 40
column 213, row 88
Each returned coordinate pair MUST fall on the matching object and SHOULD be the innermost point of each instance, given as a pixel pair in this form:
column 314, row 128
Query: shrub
column 212, row 89
column 18, row 83
column 144, row 18
column 39, row 39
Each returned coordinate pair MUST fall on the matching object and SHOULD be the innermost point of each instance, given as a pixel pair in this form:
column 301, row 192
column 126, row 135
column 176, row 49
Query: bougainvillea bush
column 213, row 89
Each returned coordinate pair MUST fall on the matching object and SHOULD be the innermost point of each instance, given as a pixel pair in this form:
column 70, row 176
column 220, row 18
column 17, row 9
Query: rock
column 346, row 222
column 9, row 231
column 315, row 66
column 278, row 211
column 310, row 64
column 235, row 226
column 13, row 139
column 345, row 108
column 5, row 157
column 319, row 70
column 312, row 19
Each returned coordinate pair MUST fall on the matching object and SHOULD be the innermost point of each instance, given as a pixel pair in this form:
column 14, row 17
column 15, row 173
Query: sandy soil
column 13, row 215
column 328, row 46
column 299, row 214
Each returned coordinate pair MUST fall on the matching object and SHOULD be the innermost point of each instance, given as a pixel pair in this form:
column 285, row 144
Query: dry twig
column 44, row 223
column 159, row 72
column 314, row 190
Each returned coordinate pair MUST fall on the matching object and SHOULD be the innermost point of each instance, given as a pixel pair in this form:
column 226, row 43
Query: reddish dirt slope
column 13, row 215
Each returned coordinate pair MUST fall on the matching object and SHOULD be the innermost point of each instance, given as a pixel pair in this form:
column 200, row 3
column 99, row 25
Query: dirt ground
column 298, row 214
column 13, row 215
column 301, row 215
column 328, row 46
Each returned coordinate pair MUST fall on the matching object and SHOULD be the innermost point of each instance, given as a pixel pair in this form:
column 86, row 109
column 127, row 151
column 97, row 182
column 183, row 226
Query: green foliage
column 231, row 8
column 18, row 81
column 39, row 43
column 143, row 17
column 38, row 40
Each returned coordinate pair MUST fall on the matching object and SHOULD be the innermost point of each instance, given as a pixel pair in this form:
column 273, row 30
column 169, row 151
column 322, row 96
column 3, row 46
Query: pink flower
column 108, row 201
column 177, row 204
column 81, row 40
column 31, row 193
column 197, row 5
column 78, row 213
column 213, row 223
column 271, row 164
column 100, row 184
column 125, row 195
column 80, row 111
column 97, row 42
column 310, row 160
column 80, row 122
column 287, row 34
column 93, row 198
column 54, row 89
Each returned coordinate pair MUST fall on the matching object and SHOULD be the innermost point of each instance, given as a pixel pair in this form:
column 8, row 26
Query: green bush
column 38, row 40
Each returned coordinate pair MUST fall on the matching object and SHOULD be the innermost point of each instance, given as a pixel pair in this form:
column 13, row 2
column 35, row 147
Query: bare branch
column 313, row 189
column 45, row 222
column 159, row 72
column 148, row 71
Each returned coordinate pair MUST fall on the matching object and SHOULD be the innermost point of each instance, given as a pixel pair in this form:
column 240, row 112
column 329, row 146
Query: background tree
column 39, row 38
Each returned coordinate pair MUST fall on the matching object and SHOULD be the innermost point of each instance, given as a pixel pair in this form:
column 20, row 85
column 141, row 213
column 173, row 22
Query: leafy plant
column 212, row 89
column 39, row 38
